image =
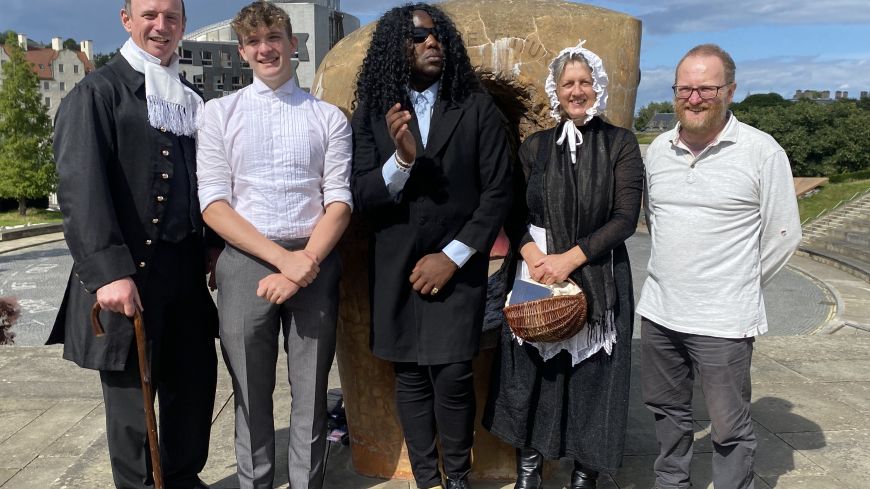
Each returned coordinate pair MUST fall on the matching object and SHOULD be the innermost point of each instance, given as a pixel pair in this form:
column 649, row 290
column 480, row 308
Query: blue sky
column 778, row 45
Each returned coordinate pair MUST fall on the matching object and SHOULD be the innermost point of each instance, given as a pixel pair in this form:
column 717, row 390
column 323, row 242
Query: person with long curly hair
column 432, row 175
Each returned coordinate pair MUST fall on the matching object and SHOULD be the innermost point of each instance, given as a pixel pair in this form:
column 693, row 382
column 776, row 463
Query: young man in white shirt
column 274, row 183
column 723, row 219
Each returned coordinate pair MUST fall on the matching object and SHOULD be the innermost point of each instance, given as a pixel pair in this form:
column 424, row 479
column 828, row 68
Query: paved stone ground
column 811, row 406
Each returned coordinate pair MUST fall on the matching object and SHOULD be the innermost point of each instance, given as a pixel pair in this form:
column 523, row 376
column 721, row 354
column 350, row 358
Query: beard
column 713, row 116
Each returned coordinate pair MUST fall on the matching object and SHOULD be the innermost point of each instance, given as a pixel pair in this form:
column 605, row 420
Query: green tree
column 647, row 112
column 5, row 34
column 761, row 100
column 819, row 139
column 26, row 164
column 71, row 44
column 101, row 58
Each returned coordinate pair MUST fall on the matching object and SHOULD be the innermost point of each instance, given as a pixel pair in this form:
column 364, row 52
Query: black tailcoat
column 115, row 172
column 459, row 188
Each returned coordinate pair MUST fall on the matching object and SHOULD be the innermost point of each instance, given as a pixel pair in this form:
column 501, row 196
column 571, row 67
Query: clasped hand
column 551, row 269
column 300, row 267
column 432, row 272
column 276, row 288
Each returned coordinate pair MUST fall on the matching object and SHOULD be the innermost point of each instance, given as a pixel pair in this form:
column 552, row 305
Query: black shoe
column 200, row 485
column 458, row 483
column 529, row 465
column 583, row 478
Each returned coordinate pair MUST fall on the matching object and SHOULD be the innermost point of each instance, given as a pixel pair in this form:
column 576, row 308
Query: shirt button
column 160, row 198
column 165, row 152
column 155, row 221
column 162, row 129
column 164, row 176
column 148, row 242
column 141, row 264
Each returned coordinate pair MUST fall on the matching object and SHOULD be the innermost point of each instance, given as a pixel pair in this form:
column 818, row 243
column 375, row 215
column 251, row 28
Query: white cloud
column 692, row 16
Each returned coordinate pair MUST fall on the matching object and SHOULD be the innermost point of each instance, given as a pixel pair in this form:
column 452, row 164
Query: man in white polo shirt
column 274, row 182
column 723, row 219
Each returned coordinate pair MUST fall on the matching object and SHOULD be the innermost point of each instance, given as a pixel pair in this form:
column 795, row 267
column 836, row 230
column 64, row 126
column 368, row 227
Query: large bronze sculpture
column 510, row 42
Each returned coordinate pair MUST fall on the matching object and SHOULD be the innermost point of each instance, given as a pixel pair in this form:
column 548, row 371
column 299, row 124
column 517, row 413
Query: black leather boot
column 583, row 478
column 458, row 483
column 530, row 463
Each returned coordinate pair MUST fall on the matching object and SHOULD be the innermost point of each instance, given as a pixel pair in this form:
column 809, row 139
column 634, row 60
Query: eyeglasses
column 706, row 93
column 420, row 34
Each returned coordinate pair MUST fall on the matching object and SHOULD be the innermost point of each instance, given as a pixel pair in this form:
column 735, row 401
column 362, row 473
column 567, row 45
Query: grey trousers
column 249, row 327
column 668, row 363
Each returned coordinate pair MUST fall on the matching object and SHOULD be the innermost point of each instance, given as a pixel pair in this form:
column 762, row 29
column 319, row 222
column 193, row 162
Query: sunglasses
column 420, row 34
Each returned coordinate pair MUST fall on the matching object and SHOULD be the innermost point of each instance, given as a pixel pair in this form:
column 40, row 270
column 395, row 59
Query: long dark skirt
column 577, row 412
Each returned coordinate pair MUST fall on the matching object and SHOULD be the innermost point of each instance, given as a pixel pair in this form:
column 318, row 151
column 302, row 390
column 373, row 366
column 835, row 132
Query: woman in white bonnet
column 569, row 399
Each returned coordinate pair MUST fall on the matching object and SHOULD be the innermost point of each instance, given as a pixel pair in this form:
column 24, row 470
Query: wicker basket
column 550, row 319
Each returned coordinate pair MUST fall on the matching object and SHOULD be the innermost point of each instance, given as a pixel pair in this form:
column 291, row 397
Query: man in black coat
column 127, row 166
column 431, row 173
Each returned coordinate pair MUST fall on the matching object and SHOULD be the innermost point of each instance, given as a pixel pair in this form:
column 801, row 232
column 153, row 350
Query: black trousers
column 669, row 361
column 436, row 402
column 184, row 374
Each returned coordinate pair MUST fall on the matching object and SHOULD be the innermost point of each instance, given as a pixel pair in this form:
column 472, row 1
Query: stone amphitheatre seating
column 842, row 237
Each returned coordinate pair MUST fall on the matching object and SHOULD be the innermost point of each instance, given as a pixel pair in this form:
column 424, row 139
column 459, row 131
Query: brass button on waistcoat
column 165, row 152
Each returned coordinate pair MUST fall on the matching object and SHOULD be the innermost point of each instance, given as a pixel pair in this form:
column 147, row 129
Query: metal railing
column 836, row 207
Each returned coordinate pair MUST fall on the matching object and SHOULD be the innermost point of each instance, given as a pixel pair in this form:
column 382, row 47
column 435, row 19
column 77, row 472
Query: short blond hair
column 711, row 50
column 260, row 14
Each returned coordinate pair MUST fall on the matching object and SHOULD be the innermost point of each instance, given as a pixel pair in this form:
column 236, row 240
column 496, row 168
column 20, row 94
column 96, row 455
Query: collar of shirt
column 288, row 88
column 728, row 133
column 430, row 94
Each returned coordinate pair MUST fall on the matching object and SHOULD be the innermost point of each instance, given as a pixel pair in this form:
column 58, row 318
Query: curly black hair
column 386, row 70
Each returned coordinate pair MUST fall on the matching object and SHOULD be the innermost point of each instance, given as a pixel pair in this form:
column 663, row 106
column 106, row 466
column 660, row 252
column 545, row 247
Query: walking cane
column 148, row 398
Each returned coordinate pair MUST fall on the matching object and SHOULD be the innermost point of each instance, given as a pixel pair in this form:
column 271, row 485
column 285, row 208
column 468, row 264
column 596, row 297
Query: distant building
column 58, row 69
column 824, row 96
column 210, row 56
column 661, row 122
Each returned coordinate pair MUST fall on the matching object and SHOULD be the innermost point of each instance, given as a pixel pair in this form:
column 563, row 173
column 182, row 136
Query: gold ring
column 434, row 290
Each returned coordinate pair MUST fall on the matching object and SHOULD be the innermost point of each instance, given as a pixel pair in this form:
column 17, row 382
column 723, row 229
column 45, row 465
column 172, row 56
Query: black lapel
column 445, row 117
column 415, row 129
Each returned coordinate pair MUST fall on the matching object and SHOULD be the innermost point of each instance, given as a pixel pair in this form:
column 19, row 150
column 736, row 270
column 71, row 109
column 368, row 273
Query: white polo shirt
column 722, row 225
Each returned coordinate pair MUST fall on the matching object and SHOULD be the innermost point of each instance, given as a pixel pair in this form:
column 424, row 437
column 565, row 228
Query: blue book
column 525, row 291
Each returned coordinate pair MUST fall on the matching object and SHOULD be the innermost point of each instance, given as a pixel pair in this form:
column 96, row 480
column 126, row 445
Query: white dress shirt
column 722, row 224
column 277, row 157
column 395, row 177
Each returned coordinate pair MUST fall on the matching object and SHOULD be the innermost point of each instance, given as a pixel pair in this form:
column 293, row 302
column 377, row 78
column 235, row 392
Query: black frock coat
column 113, row 166
column 459, row 188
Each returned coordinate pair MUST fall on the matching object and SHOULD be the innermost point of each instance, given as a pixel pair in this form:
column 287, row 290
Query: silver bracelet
column 402, row 163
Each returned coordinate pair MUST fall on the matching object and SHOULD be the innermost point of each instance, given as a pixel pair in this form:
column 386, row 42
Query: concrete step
column 857, row 252
column 844, row 233
column 860, row 239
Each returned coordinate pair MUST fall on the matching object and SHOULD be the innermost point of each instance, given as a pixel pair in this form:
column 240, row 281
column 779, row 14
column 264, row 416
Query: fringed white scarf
column 171, row 104
column 571, row 132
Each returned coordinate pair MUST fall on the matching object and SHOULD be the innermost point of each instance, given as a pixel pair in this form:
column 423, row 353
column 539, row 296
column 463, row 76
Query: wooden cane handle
column 97, row 325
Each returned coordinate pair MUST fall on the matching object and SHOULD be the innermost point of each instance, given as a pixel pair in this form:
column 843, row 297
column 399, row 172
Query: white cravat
column 171, row 104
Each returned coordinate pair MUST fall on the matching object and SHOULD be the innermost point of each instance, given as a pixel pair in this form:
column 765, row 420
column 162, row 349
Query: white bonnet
column 599, row 81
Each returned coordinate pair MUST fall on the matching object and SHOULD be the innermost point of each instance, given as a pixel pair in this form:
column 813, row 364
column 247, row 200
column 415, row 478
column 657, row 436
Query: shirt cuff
column 394, row 177
column 458, row 252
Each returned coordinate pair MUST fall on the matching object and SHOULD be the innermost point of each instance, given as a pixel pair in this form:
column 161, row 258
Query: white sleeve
column 780, row 220
column 336, row 163
column 213, row 172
